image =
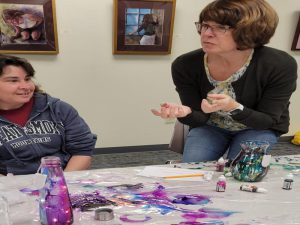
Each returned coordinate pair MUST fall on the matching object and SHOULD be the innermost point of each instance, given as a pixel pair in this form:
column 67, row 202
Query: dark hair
column 253, row 21
column 148, row 18
column 8, row 60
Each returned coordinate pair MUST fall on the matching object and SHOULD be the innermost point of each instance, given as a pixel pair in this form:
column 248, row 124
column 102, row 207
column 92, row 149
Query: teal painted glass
column 249, row 164
column 55, row 204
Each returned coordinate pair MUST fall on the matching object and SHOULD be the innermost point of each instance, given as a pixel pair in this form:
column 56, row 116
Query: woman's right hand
column 172, row 110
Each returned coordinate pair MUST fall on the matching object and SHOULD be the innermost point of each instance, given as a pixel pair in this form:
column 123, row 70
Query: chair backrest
column 179, row 135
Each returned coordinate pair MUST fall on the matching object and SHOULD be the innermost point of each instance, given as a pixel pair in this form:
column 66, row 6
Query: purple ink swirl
column 125, row 218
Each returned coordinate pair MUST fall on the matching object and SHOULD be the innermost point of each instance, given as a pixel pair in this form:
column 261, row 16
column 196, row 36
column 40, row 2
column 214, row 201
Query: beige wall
column 115, row 93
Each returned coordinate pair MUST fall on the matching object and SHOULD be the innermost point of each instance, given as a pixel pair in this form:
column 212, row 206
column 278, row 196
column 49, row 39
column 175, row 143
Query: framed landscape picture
column 143, row 26
column 296, row 40
column 28, row 26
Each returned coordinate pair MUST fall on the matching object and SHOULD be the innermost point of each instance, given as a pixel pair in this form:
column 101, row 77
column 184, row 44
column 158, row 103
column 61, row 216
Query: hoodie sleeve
column 79, row 140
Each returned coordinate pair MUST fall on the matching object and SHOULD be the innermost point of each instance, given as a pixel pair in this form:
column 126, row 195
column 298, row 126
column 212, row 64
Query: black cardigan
column 264, row 89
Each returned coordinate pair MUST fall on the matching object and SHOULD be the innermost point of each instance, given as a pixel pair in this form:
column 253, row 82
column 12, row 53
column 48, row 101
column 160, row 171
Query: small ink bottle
column 288, row 181
column 220, row 165
column 221, row 184
column 252, row 188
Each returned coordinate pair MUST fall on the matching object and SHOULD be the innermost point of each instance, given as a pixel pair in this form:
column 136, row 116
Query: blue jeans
column 208, row 143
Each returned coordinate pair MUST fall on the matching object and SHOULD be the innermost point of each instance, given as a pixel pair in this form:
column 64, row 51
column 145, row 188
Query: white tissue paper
column 21, row 205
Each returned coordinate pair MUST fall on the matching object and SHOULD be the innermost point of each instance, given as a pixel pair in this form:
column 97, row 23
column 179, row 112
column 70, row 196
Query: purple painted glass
column 55, row 204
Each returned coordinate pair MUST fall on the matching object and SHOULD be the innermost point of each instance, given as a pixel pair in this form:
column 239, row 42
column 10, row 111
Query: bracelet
column 237, row 110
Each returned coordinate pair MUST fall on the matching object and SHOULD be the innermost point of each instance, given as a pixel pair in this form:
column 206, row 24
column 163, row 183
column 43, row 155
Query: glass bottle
column 221, row 184
column 220, row 165
column 55, row 204
column 288, row 181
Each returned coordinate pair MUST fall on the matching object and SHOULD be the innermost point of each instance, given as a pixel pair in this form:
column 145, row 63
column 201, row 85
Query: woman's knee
column 203, row 144
column 265, row 136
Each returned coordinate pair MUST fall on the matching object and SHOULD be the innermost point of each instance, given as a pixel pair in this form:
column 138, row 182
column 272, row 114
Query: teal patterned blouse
column 220, row 118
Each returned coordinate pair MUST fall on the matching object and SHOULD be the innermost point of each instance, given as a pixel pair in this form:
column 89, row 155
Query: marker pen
column 252, row 188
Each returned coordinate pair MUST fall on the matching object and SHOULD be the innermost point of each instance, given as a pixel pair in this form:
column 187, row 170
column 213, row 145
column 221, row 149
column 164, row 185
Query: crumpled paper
column 20, row 205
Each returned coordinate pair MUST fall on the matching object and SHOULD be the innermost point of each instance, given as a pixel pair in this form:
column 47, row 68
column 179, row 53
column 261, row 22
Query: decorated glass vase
column 252, row 163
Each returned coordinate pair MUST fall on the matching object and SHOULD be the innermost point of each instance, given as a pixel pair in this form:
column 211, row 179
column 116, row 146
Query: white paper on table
column 22, row 208
column 14, row 197
column 160, row 171
column 32, row 181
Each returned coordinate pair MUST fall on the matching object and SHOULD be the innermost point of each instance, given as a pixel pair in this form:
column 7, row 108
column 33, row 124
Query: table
column 150, row 200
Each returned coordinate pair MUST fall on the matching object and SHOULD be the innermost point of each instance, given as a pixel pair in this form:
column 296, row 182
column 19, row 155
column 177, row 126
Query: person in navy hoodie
column 33, row 124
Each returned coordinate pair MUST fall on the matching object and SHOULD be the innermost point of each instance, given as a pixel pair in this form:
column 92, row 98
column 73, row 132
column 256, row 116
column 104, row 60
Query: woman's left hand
column 217, row 102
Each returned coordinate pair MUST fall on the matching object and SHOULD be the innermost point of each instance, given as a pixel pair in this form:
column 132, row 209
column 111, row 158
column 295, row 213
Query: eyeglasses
column 215, row 29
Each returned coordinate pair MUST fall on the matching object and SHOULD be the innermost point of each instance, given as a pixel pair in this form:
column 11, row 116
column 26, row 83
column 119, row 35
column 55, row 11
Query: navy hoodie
column 54, row 128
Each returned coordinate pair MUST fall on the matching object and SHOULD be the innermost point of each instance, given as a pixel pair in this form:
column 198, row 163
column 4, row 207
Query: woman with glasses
column 234, row 88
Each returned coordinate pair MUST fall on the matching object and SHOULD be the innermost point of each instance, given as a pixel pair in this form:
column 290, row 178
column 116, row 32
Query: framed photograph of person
column 296, row 40
column 143, row 26
column 28, row 26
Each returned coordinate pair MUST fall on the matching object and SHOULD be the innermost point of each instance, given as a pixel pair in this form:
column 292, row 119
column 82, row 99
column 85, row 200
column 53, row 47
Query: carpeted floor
column 161, row 156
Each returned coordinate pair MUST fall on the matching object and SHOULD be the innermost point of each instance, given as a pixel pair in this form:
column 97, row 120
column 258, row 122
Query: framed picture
column 143, row 26
column 296, row 40
column 28, row 26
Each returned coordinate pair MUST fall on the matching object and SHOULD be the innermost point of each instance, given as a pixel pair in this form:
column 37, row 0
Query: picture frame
column 28, row 27
column 143, row 26
column 296, row 40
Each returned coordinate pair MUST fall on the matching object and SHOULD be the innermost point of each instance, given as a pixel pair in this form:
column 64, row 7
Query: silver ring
column 104, row 214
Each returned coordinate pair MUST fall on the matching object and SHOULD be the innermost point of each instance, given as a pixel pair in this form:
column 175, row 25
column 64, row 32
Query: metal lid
column 104, row 214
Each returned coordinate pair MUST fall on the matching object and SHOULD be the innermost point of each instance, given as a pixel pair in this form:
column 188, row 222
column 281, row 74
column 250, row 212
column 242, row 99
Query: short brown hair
column 253, row 21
